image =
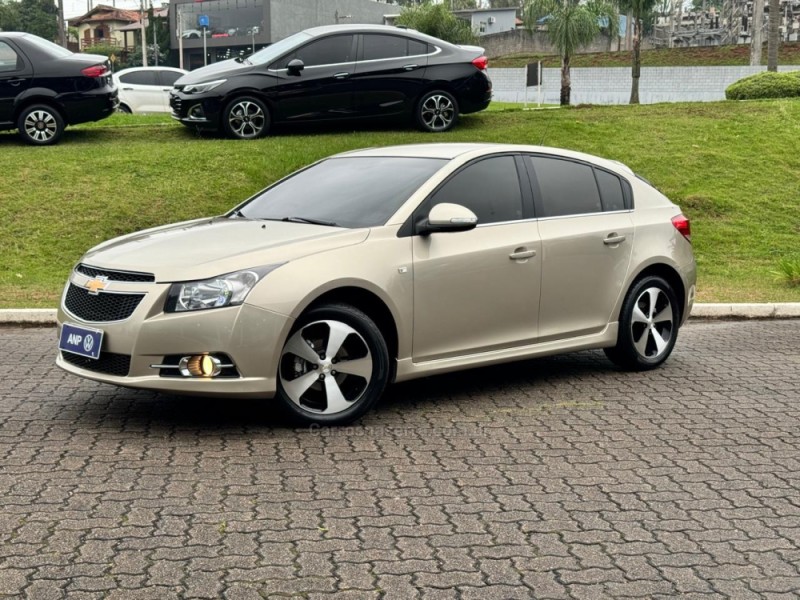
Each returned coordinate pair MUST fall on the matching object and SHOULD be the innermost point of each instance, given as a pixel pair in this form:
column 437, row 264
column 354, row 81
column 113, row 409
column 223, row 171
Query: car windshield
column 274, row 51
column 49, row 47
column 348, row 192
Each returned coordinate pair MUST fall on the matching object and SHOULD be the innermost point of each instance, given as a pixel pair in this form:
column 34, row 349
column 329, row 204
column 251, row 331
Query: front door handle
column 522, row 254
column 341, row 75
column 614, row 239
column 411, row 67
column 127, row 89
column 14, row 82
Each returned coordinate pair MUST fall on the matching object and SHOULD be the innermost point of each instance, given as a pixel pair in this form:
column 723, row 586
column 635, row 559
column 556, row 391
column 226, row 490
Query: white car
column 146, row 89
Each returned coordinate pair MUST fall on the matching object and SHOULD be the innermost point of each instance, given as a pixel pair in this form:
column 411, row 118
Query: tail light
column 95, row 71
column 481, row 63
column 681, row 223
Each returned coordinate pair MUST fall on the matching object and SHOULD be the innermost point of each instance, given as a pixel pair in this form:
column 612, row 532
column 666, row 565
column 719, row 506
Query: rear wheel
column 333, row 367
column 437, row 111
column 246, row 118
column 40, row 125
column 124, row 108
column 648, row 325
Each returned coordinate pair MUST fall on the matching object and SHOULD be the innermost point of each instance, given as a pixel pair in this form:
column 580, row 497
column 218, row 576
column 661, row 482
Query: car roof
column 367, row 28
column 13, row 34
column 452, row 151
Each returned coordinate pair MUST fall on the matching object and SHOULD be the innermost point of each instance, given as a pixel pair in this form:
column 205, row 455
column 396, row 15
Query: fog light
column 197, row 113
column 200, row 365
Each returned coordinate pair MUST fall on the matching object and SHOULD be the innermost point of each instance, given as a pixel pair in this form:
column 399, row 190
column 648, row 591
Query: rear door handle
column 411, row 67
column 128, row 89
column 341, row 75
column 521, row 254
column 613, row 239
column 15, row 82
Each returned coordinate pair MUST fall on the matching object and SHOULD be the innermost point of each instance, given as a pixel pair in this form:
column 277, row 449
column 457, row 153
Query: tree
column 773, row 35
column 757, row 28
column 438, row 21
column 570, row 26
column 9, row 15
column 638, row 9
column 39, row 17
column 505, row 3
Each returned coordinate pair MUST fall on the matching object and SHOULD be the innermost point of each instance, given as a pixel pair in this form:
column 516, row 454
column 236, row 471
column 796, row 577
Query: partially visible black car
column 336, row 72
column 44, row 88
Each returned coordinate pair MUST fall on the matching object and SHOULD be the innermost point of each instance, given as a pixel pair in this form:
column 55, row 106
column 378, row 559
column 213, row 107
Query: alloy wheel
column 246, row 119
column 40, row 126
column 326, row 367
column 437, row 112
column 652, row 323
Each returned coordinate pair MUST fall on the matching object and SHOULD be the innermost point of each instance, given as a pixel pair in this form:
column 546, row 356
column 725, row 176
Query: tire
column 245, row 118
column 40, row 125
column 436, row 112
column 124, row 109
column 648, row 326
column 322, row 391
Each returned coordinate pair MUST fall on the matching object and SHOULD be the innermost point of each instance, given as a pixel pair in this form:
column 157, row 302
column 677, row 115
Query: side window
column 384, row 46
column 566, row 187
column 416, row 48
column 9, row 61
column 139, row 78
column 327, row 51
column 610, row 190
column 489, row 188
column 169, row 77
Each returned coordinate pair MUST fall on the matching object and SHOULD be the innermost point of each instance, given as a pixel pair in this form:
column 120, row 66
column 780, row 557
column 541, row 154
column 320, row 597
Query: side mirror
column 448, row 217
column 295, row 66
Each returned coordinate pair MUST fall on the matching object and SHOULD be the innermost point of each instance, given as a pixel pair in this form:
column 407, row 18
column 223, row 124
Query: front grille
column 129, row 276
column 175, row 102
column 100, row 308
column 108, row 363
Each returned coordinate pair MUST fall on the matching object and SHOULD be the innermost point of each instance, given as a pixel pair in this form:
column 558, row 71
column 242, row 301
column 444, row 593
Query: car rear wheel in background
column 648, row 325
column 436, row 111
column 123, row 108
column 40, row 125
column 333, row 367
column 246, row 118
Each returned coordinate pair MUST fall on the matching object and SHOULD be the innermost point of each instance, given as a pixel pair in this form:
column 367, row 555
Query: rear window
column 352, row 192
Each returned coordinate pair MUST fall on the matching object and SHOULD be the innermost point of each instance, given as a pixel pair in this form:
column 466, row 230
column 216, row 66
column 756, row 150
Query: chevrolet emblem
column 95, row 285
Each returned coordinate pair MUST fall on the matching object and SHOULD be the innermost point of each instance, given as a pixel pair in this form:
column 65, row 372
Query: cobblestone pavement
column 555, row 478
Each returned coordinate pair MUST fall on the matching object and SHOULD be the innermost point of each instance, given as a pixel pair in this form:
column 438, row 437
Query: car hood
column 225, row 68
column 209, row 247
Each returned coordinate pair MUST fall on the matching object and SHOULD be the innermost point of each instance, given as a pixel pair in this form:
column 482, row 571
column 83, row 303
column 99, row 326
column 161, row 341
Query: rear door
column 166, row 79
column 324, row 88
column 141, row 91
column 15, row 76
column 389, row 73
column 586, row 228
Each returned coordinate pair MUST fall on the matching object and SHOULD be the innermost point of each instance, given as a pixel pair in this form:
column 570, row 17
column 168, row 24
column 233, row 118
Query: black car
column 44, row 88
column 336, row 72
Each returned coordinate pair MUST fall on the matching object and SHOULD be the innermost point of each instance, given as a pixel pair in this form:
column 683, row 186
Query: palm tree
column 570, row 26
column 773, row 35
column 638, row 8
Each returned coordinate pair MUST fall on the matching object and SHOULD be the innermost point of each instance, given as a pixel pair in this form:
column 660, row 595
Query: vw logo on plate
column 88, row 343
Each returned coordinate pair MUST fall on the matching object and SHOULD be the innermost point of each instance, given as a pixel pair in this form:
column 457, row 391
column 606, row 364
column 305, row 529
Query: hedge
column 765, row 85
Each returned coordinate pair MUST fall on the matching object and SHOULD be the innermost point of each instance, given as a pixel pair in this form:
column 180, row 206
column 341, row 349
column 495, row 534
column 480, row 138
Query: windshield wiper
column 307, row 220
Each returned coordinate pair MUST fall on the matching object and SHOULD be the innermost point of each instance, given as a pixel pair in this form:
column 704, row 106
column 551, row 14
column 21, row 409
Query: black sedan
column 44, row 88
column 336, row 72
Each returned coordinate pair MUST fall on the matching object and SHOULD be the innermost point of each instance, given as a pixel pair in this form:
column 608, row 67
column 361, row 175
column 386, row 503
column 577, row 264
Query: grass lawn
column 733, row 167
column 704, row 56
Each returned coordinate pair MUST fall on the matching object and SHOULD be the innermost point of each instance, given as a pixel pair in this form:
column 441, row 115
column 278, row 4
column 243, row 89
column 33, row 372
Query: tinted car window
column 489, row 188
column 327, row 51
column 416, row 48
column 352, row 192
column 565, row 187
column 9, row 61
column 139, row 78
column 169, row 77
column 384, row 46
column 610, row 190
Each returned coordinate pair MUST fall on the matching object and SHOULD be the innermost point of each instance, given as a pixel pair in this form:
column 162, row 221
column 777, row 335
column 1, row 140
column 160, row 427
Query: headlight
column 217, row 292
column 201, row 88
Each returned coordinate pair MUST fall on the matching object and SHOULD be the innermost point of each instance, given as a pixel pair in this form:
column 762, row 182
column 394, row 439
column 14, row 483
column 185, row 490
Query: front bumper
column 251, row 336
column 194, row 110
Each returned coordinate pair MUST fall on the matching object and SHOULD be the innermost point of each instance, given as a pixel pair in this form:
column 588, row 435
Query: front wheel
column 40, row 125
column 333, row 367
column 648, row 326
column 437, row 111
column 245, row 118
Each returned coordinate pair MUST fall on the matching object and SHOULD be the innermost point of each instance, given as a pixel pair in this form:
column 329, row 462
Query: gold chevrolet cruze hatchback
column 384, row 265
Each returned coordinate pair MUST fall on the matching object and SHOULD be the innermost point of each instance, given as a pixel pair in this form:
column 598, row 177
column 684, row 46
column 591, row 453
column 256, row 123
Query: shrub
column 438, row 21
column 765, row 85
column 788, row 271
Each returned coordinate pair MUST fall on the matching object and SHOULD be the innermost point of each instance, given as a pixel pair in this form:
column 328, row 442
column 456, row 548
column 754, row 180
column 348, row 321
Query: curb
column 775, row 310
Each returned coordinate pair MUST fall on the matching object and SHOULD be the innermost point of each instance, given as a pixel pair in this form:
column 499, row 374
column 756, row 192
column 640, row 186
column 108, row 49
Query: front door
column 478, row 290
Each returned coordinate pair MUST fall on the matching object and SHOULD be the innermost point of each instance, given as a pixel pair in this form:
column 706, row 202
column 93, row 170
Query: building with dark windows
column 209, row 31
